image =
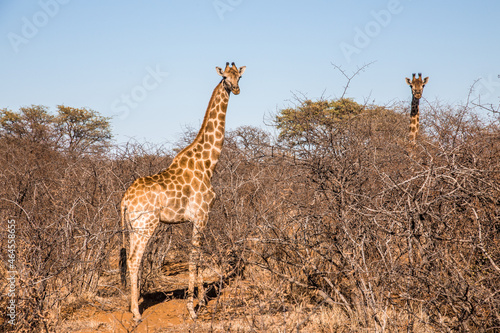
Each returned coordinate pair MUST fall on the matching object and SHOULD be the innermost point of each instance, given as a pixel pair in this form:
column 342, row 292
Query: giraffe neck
column 414, row 118
column 207, row 145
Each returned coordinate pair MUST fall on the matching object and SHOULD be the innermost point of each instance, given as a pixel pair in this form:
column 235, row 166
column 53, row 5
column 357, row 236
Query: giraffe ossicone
column 181, row 193
column 417, row 85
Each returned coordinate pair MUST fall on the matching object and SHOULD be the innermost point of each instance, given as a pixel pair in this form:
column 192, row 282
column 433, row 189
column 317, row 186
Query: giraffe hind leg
column 139, row 238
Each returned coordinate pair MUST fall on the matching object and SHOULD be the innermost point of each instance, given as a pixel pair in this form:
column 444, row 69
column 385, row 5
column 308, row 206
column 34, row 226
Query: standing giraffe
column 417, row 86
column 181, row 193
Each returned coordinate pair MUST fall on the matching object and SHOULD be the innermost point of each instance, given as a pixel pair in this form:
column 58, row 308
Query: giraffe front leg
column 201, row 287
column 195, row 272
column 193, row 268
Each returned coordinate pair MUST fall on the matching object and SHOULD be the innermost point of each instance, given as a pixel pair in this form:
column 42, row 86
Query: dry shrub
column 398, row 236
column 66, row 208
column 352, row 230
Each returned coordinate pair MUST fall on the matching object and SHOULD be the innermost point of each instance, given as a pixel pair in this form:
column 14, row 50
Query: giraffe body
column 417, row 86
column 181, row 193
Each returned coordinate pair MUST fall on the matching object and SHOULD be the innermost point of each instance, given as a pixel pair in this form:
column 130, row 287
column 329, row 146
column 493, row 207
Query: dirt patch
column 168, row 316
column 163, row 307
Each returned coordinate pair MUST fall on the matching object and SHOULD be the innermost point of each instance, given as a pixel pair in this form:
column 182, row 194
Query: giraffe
column 417, row 86
column 181, row 193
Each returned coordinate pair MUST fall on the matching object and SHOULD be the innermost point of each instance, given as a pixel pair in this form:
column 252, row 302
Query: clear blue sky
column 151, row 65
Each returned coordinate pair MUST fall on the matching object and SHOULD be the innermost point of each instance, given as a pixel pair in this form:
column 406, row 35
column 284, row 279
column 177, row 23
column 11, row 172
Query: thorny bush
column 346, row 215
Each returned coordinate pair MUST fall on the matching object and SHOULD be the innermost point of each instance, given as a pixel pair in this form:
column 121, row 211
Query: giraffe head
column 231, row 76
column 417, row 85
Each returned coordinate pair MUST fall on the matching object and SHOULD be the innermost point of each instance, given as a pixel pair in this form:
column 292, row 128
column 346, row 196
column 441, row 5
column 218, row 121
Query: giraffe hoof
column 191, row 311
column 193, row 315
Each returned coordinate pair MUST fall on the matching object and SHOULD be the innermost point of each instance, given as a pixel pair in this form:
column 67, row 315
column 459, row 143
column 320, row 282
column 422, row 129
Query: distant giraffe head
column 231, row 76
column 417, row 85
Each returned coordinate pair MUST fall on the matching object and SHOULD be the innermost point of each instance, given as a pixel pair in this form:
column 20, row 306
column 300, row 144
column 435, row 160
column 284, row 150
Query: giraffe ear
column 408, row 81
column 219, row 71
column 426, row 80
column 242, row 70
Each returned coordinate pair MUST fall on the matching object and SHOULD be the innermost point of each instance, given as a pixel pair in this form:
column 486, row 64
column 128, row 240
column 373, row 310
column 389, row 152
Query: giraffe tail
column 123, row 251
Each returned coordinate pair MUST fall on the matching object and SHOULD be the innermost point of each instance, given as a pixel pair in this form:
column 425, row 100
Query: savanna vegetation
column 335, row 224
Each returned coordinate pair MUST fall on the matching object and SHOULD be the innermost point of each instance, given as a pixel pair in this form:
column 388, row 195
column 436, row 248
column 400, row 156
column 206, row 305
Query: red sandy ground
column 169, row 316
column 160, row 317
